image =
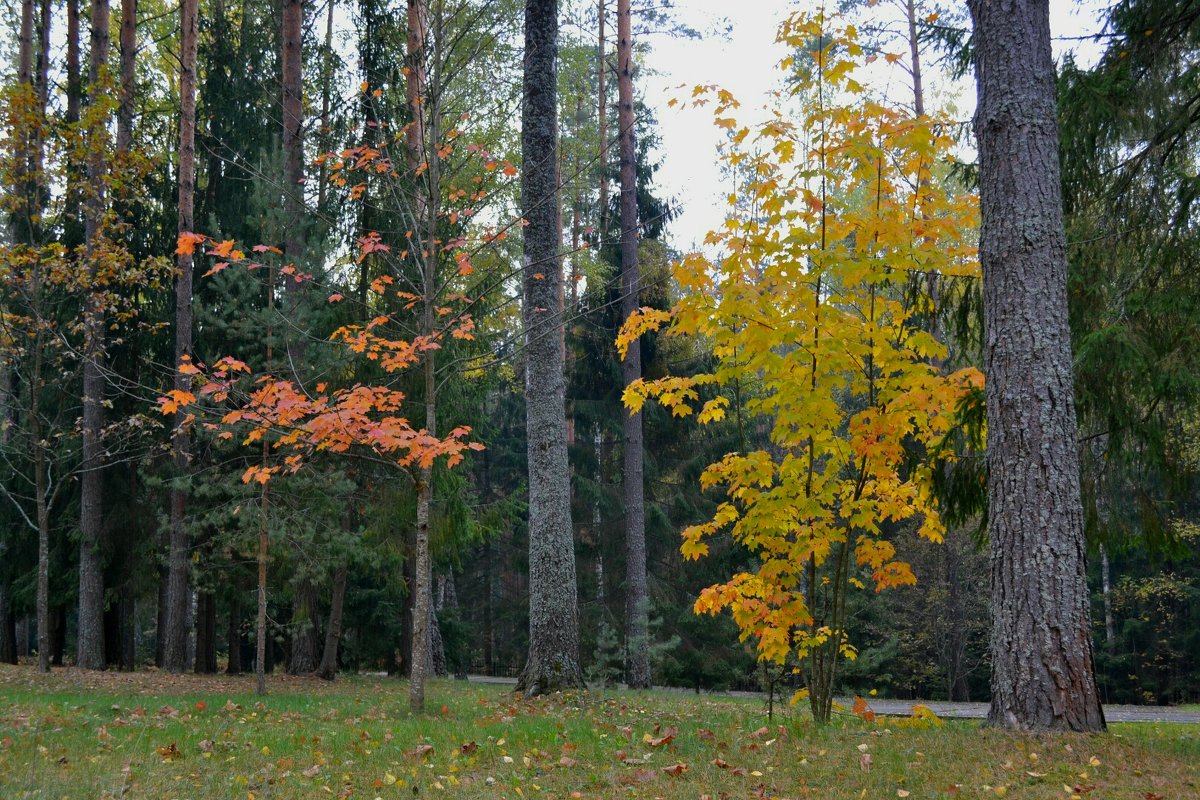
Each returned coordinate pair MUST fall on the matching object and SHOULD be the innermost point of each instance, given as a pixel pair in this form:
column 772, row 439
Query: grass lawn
column 104, row 735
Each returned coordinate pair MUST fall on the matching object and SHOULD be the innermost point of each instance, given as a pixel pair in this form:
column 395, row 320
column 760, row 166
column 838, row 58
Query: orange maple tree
column 814, row 308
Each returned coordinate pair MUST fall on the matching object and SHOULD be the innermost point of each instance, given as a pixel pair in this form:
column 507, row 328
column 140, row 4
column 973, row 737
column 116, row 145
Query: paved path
column 903, row 708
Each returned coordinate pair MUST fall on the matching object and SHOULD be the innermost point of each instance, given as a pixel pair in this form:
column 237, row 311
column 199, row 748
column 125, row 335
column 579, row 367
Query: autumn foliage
column 815, row 311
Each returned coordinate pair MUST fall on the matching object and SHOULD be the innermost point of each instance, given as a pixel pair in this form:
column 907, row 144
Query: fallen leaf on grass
column 420, row 751
column 658, row 741
column 312, row 771
column 675, row 770
column 169, row 753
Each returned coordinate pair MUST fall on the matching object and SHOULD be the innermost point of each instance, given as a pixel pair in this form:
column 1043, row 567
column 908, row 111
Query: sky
column 744, row 63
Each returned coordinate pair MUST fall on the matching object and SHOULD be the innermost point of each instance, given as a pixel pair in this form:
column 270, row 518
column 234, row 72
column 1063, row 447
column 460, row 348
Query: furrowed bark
column 553, row 661
column 1042, row 665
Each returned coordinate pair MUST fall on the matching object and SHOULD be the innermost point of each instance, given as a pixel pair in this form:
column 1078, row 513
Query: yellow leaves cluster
column 815, row 311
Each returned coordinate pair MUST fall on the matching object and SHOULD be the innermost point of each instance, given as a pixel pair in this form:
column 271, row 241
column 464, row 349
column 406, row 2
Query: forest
column 353, row 337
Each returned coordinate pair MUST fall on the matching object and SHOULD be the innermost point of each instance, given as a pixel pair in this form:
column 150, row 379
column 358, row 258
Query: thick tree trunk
column 333, row 631
column 174, row 655
column 305, row 652
column 90, row 642
column 553, row 662
column 206, row 634
column 637, row 635
column 41, row 487
column 1042, row 667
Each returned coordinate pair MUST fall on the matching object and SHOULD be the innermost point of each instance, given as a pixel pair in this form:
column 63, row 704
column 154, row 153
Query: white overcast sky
column 744, row 62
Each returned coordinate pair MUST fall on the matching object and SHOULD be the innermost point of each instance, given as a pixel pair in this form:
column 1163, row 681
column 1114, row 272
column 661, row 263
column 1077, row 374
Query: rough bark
column 260, row 625
column 637, row 635
column 333, row 631
column 305, row 653
column 553, row 661
column 1042, row 664
column 178, row 562
column 90, row 641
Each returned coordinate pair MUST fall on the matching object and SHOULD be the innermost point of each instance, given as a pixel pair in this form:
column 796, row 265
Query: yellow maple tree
column 818, row 303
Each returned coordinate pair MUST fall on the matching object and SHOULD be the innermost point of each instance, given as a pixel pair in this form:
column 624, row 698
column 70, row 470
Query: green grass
column 87, row 735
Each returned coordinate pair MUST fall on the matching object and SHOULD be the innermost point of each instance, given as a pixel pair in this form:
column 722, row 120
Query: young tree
column 637, row 638
column 809, row 308
column 1042, row 665
column 553, row 661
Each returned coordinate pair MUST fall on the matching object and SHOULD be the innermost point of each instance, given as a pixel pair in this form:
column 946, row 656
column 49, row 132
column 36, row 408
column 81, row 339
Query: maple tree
column 816, row 302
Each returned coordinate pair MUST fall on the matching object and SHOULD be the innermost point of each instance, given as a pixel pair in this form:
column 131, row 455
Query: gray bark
column 602, row 115
column 914, row 50
column 553, row 661
column 90, row 642
column 174, row 634
column 1042, row 666
column 128, row 75
column 637, row 642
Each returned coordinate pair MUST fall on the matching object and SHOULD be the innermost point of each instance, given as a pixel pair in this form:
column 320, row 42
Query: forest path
column 948, row 710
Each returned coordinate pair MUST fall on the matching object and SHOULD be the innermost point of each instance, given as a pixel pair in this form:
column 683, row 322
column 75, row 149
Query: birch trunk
column 1042, row 666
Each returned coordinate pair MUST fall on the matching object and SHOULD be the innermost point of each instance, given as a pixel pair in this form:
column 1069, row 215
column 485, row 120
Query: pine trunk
column 305, row 641
column 206, row 634
column 174, row 655
column 128, row 75
column 333, row 631
column 1042, row 666
column 90, row 642
column 553, row 661
column 637, row 635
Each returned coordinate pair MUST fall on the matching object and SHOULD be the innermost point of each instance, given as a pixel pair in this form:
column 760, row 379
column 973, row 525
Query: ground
column 148, row 735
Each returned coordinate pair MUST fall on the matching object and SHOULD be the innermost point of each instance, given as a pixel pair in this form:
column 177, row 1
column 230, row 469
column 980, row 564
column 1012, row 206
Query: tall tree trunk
column 553, row 661
column 178, row 561
column 416, row 92
column 1042, row 666
column 21, row 220
column 90, row 642
column 333, row 631
column 260, row 626
column 41, row 488
column 602, row 116
column 637, row 635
